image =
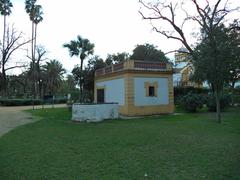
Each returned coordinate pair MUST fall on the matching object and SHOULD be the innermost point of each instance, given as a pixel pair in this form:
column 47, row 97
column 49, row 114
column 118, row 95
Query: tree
column 89, row 74
column 209, row 17
column 53, row 75
column 211, row 60
column 94, row 63
column 81, row 48
column 5, row 10
column 116, row 58
column 39, row 58
column 68, row 86
column 35, row 14
column 35, row 72
column 14, row 41
column 148, row 52
column 234, row 40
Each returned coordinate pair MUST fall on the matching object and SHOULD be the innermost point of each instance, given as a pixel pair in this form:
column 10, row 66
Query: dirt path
column 11, row 117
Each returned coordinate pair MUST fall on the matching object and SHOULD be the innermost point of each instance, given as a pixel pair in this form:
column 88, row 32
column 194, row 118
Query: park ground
column 181, row 146
column 11, row 117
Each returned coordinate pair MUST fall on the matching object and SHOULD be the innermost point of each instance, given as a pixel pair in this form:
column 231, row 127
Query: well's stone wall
column 94, row 112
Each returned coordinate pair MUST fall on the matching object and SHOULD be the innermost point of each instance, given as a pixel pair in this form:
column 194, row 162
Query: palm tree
column 35, row 14
column 81, row 48
column 5, row 10
column 53, row 73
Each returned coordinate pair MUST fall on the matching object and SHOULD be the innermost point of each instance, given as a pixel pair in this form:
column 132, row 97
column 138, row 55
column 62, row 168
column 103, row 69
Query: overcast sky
column 112, row 25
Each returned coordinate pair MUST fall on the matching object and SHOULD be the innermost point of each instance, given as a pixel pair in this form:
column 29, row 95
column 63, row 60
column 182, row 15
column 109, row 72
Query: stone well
column 94, row 112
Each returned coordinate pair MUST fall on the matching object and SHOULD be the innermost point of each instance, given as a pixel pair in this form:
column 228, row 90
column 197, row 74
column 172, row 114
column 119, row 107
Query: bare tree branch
column 207, row 17
column 13, row 67
column 176, row 51
column 170, row 20
column 13, row 41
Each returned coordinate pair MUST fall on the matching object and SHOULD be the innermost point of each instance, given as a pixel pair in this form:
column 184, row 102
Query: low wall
column 94, row 112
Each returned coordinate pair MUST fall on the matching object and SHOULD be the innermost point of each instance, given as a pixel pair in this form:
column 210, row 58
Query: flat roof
column 136, row 65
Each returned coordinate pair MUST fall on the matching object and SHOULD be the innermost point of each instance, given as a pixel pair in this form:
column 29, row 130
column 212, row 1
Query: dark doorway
column 100, row 95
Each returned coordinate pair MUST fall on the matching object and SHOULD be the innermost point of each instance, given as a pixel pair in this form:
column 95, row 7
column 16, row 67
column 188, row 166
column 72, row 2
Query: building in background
column 183, row 70
column 139, row 87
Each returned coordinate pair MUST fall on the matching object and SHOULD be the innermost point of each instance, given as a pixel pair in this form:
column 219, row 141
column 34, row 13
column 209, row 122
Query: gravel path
column 11, row 117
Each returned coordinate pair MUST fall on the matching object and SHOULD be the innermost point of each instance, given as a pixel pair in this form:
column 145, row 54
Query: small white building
column 139, row 87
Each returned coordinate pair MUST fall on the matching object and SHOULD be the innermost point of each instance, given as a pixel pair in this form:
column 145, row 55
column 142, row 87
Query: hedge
column 19, row 102
column 27, row 102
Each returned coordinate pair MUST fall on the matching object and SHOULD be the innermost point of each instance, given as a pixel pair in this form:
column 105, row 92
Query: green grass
column 184, row 146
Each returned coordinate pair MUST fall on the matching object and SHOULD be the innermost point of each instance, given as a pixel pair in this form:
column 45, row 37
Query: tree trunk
column 233, row 84
column 80, row 82
column 3, row 40
column 33, row 63
column 35, row 40
column 218, row 113
column 3, row 77
column 3, row 82
column 34, row 55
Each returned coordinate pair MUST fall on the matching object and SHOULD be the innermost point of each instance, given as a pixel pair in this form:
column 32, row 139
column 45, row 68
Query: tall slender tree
column 81, row 48
column 5, row 10
column 35, row 14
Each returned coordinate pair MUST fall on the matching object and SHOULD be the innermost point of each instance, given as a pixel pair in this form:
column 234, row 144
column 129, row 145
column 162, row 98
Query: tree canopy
column 116, row 58
column 148, row 52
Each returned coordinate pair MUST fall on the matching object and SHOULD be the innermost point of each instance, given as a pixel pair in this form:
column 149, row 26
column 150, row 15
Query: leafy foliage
column 148, row 52
column 80, row 47
column 53, row 73
column 179, row 92
column 191, row 102
column 234, row 41
column 5, row 7
column 34, row 10
column 224, row 102
column 212, row 58
column 116, row 58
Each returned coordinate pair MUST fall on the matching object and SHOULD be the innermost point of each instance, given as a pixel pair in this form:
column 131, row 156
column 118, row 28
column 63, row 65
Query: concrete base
column 94, row 112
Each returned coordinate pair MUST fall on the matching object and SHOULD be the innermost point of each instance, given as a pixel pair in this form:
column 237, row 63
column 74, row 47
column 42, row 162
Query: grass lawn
column 184, row 146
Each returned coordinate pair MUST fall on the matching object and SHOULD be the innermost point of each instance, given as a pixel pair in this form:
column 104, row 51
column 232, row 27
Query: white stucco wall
column 94, row 112
column 140, row 98
column 114, row 90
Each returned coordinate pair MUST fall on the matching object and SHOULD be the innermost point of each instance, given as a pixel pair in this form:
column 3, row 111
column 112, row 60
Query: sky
column 112, row 25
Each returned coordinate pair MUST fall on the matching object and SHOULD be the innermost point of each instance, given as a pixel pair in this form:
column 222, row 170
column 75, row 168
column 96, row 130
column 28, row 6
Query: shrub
column 191, row 102
column 236, row 99
column 179, row 92
column 224, row 102
column 60, row 101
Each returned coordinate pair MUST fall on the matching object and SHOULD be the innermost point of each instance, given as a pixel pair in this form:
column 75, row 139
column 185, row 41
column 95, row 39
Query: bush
column 60, row 101
column 224, row 102
column 236, row 99
column 191, row 102
column 179, row 92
